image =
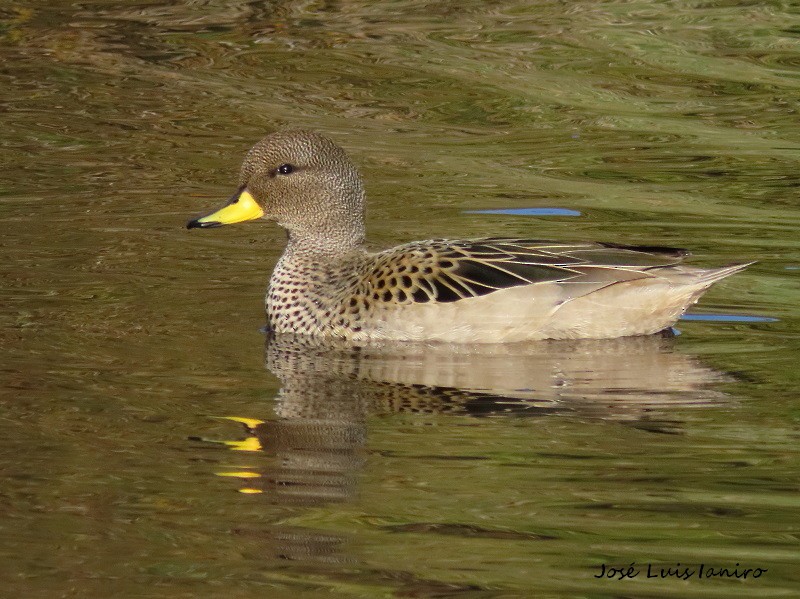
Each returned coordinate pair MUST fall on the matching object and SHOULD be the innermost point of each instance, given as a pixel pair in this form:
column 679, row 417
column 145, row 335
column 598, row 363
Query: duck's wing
column 442, row 270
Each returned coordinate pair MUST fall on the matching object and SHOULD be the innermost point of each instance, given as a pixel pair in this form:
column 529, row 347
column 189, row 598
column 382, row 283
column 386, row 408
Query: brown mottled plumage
column 485, row 290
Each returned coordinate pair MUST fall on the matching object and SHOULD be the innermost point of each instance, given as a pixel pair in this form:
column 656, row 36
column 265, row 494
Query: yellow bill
column 241, row 207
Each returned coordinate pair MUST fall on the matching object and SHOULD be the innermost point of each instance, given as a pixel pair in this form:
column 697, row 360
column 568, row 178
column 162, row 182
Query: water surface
column 130, row 343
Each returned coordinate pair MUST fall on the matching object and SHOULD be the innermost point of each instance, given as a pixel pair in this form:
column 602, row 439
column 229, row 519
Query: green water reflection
column 425, row 472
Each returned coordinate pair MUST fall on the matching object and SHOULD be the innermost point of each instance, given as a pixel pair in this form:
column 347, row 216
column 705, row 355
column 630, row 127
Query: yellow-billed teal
column 326, row 284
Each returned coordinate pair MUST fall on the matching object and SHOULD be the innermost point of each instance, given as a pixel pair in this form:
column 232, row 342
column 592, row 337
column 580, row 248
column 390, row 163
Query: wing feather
column 444, row 270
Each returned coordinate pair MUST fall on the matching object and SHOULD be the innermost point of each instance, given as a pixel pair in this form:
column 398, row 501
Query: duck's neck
column 306, row 280
column 324, row 245
column 309, row 260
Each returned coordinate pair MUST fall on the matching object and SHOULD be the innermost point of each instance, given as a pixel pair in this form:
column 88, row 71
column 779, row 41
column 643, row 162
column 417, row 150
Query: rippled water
column 155, row 444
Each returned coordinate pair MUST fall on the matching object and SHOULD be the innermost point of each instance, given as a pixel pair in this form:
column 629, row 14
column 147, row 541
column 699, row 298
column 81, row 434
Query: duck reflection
column 315, row 443
column 615, row 378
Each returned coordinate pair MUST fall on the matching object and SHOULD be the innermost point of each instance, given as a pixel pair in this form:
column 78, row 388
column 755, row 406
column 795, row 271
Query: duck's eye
column 285, row 169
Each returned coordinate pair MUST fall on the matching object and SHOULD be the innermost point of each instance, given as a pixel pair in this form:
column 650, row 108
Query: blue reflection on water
column 728, row 318
column 528, row 211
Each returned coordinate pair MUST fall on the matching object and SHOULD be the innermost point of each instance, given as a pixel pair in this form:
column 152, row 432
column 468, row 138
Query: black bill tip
column 196, row 224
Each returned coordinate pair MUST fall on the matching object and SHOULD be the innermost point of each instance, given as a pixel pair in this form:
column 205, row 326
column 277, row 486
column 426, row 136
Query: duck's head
column 304, row 182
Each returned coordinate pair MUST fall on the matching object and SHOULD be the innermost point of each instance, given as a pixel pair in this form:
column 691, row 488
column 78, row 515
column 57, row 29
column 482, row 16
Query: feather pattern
column 444, row 271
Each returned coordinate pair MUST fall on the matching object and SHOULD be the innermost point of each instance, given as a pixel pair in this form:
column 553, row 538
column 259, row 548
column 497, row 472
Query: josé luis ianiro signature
column 678, row 571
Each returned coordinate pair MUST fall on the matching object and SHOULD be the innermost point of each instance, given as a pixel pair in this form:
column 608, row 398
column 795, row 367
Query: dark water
column 156, row 444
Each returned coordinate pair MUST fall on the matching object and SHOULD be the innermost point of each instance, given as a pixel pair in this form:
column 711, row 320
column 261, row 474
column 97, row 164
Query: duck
column 328, row 285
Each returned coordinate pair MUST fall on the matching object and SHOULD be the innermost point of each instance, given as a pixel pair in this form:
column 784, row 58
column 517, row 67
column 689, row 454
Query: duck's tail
column 711, row 276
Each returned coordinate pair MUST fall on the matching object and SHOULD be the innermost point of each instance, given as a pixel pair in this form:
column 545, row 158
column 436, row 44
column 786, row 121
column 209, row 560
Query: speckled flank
column 486, row 290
